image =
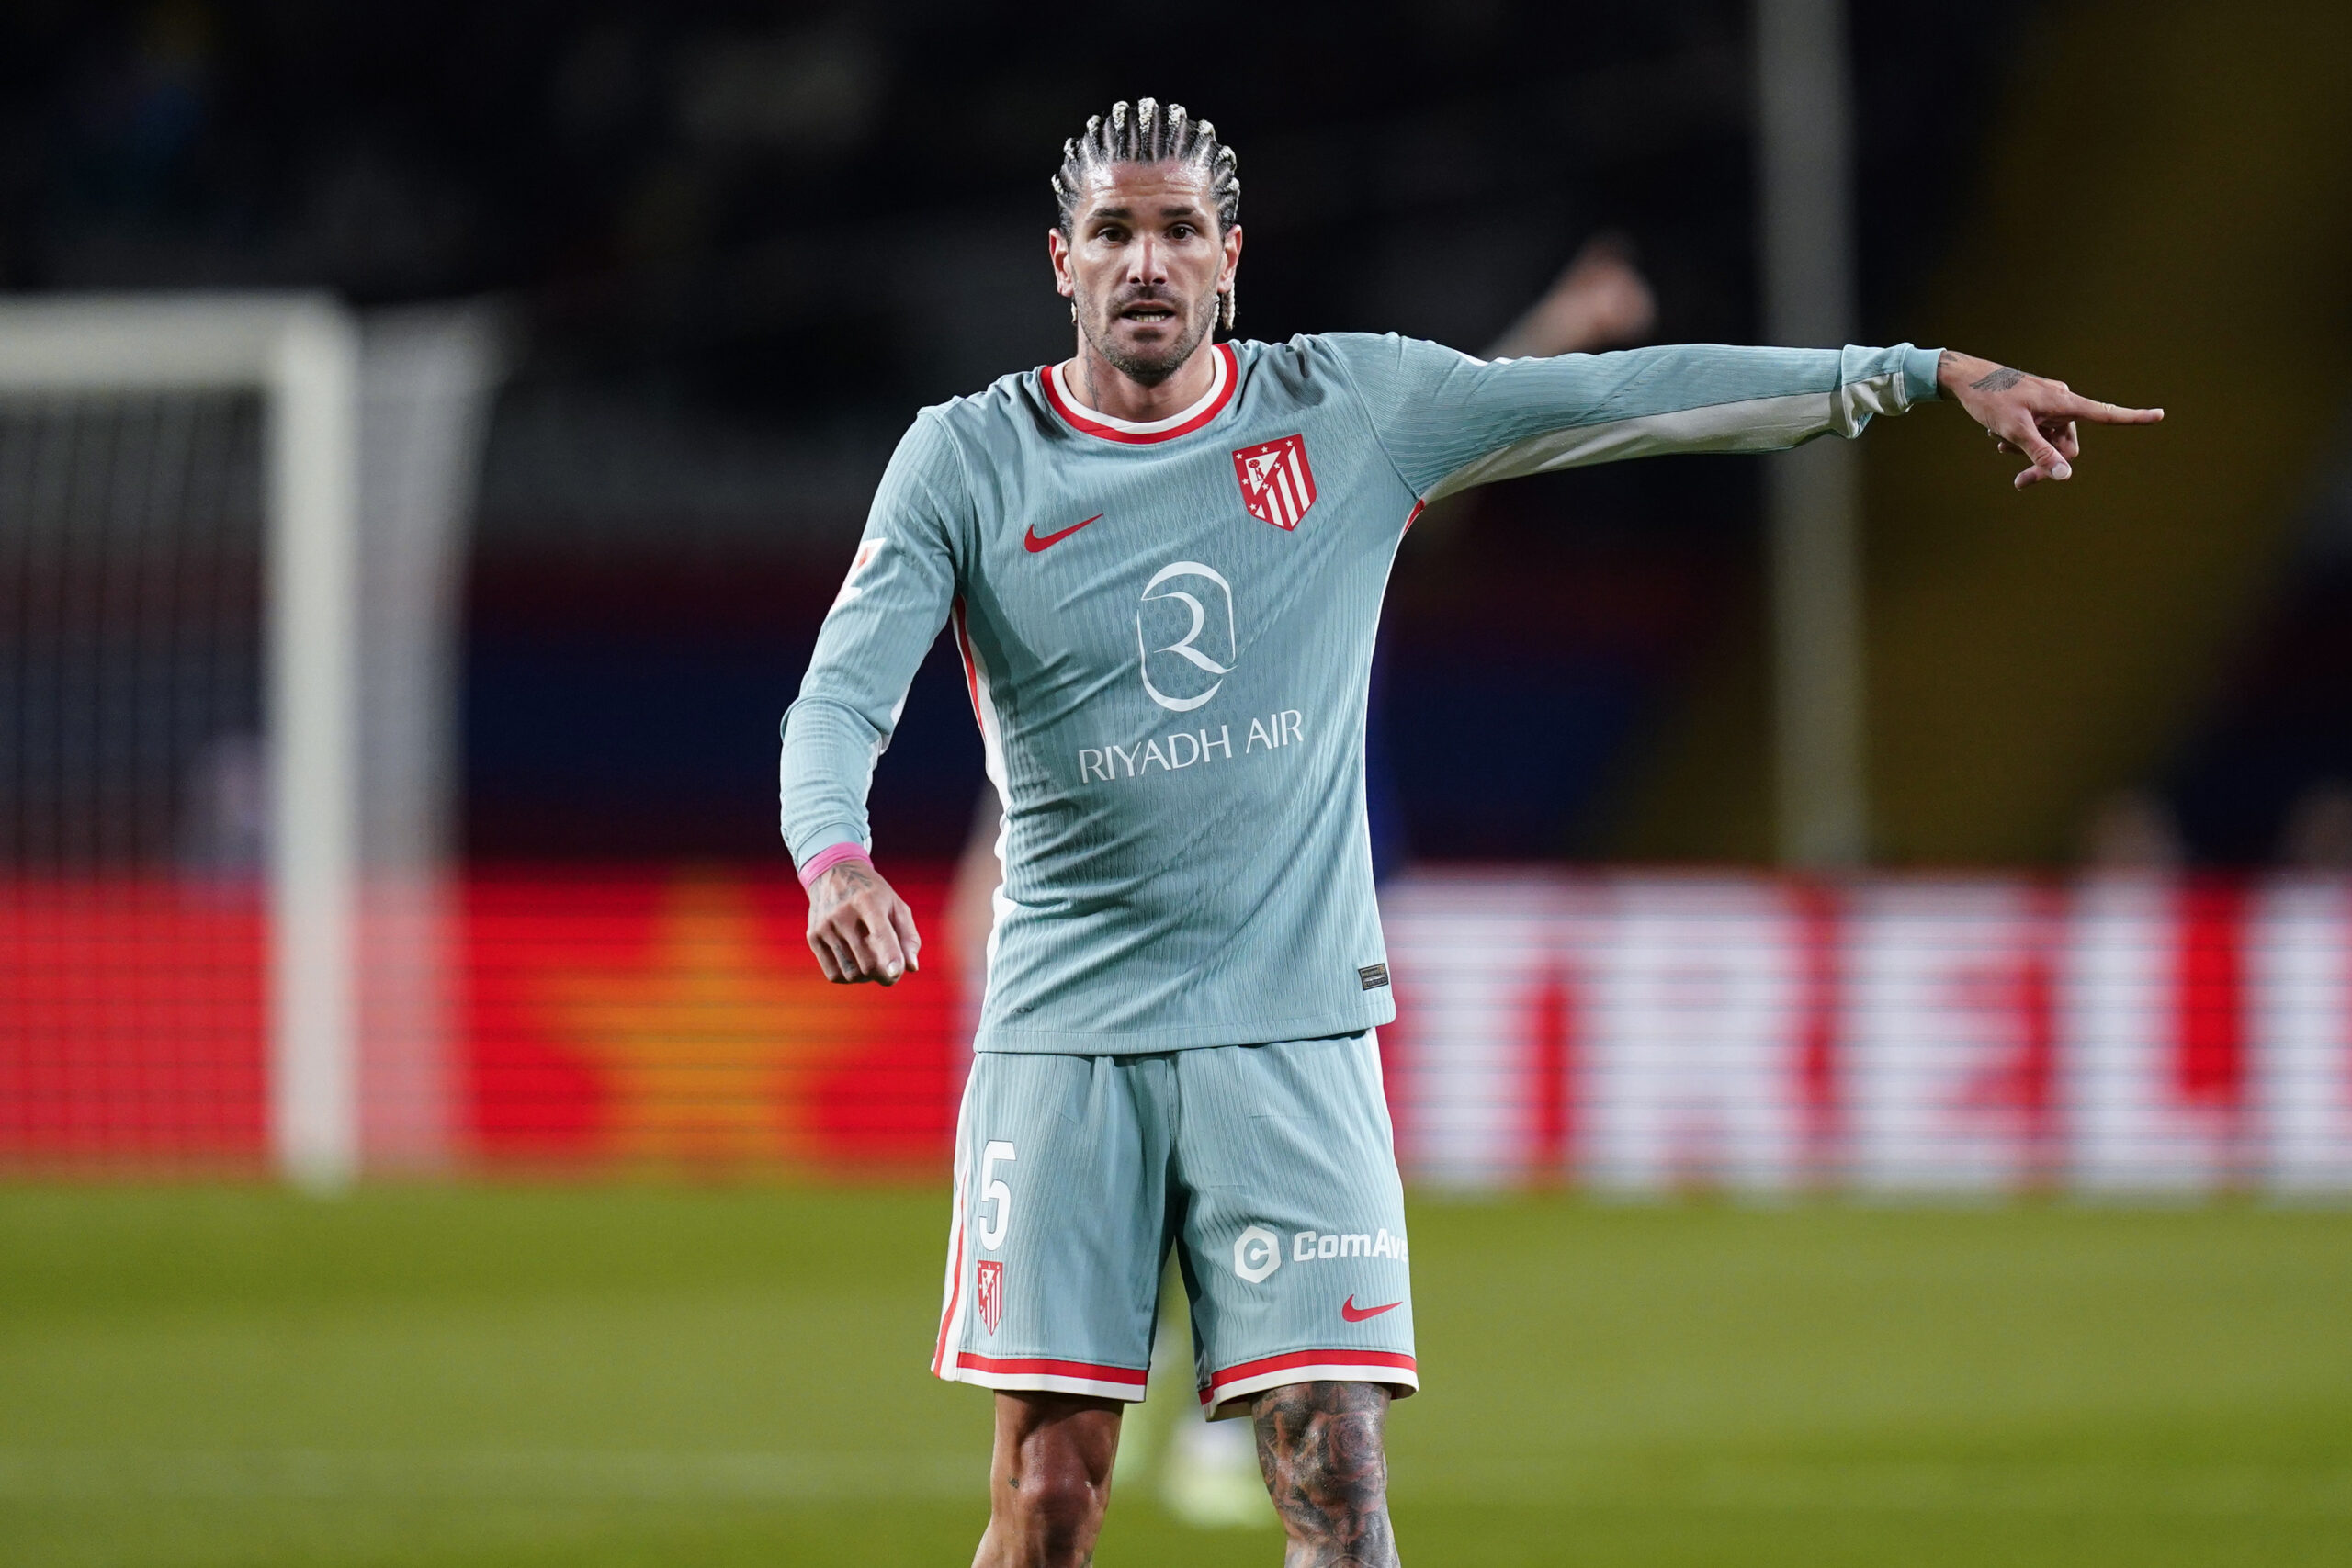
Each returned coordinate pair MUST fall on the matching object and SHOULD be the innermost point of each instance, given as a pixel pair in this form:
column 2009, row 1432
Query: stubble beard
column 1147, row 369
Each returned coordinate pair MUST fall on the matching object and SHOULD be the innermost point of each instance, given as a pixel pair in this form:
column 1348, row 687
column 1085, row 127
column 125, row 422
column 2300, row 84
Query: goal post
column 339, row 595
column 311, row 434
column 300, row 354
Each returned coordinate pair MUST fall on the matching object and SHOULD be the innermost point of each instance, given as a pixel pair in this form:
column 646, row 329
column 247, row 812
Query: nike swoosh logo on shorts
column 1354, row 1314
column 1029, row 535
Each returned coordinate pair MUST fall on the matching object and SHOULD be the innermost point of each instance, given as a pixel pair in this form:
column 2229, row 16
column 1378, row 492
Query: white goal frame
column 300, row 353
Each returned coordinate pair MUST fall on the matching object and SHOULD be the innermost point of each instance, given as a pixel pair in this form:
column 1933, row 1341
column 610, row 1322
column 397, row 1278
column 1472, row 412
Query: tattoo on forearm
column 834, row 892
column 2000, row 378
column 842, row 883
column 1320, row 1446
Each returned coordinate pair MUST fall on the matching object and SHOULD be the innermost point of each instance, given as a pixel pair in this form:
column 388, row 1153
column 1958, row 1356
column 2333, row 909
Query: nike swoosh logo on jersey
column 1354, row 1314
column 1029, row 535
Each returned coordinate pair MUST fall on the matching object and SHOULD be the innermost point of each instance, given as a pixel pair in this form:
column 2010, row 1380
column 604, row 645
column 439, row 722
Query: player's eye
column 1183, row 231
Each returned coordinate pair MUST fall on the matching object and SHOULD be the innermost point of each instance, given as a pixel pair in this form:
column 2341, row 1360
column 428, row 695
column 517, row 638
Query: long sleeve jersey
column 1168, row 628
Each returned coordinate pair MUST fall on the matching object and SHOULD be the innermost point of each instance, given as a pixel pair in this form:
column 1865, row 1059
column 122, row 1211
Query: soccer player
column 1163, row 558
column 1207, row 1475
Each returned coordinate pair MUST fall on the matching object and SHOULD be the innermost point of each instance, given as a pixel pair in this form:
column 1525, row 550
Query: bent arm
column 889, row 611
column 1450, row 420
column 900, row 585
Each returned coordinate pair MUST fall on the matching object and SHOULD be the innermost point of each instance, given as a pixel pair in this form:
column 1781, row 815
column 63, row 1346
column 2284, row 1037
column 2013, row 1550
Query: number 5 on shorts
column 996, row 1195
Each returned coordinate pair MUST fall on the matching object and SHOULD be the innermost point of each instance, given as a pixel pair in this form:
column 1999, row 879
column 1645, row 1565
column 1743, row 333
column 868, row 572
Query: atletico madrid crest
column 1276, row 484
column 992, row 1294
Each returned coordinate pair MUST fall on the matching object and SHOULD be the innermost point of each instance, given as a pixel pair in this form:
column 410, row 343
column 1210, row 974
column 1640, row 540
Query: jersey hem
column 1199, row 1036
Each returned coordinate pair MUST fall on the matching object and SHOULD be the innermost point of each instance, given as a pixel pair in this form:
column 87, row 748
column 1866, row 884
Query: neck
column 1111, row 390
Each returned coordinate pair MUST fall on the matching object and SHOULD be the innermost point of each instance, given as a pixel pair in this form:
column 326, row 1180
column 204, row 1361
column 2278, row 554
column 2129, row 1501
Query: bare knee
column 1050, row 1479
column 1323, row 1448
column 1056, row 1506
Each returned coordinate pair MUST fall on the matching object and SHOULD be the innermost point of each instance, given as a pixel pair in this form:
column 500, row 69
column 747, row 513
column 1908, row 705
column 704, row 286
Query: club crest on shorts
column 990, row 1294
column 1277, row 486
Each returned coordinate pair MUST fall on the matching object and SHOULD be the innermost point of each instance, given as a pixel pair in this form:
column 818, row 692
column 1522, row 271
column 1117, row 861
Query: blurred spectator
column 140, row 112
column 2132, row 829
column 227, row 815
column 1599, row 300
column 2318, row 834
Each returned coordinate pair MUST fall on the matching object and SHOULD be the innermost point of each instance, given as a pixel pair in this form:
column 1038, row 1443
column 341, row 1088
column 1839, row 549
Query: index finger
column 2110, row 414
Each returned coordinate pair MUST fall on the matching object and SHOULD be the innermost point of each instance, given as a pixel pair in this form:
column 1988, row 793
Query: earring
column 1226, row 310
column 1073, row 312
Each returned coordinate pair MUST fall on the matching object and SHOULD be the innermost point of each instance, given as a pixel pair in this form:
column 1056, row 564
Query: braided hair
column 1149, row 134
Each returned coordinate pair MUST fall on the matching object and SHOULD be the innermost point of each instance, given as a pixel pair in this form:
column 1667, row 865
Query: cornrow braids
column 1148, row 132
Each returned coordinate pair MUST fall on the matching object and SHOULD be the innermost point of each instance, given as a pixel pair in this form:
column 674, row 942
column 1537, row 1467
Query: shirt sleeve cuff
column 824, row 861
column 1919, row 373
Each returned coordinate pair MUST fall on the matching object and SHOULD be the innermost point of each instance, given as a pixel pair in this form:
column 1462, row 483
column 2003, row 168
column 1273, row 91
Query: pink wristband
column 824, row 861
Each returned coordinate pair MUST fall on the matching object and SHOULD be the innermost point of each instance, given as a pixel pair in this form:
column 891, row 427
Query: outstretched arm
column 1448, row 422
column 2029, row 414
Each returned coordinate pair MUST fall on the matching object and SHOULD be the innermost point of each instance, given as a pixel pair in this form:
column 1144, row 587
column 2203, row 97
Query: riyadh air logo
column 1277, row 486
column 1187, row 599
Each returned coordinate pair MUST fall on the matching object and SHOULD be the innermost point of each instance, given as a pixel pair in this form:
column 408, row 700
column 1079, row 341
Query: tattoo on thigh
column 1319, row 1444
column 1998, row 379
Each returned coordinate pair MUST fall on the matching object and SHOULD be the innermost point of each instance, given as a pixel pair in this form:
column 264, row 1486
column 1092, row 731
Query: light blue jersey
column 1168, row 630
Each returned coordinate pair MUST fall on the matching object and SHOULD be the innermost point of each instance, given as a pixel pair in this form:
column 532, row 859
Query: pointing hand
column 2027, row 414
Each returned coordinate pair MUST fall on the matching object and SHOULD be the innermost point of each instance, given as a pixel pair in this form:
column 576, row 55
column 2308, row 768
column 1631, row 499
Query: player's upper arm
column 901, row 579
column 900, row 585
column 1449, row 420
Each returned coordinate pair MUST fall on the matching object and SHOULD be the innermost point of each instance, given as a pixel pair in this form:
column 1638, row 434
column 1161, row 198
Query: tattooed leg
column 1321, row 1447
column 1049, row 1480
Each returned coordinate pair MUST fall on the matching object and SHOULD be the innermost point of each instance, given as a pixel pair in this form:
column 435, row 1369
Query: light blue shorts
column 1271, row 1170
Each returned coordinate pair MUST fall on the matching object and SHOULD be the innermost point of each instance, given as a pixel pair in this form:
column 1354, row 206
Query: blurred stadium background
column 430, row 436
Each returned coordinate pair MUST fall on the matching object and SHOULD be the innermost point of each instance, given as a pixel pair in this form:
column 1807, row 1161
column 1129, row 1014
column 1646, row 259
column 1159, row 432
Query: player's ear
column 1058, row 252
column 1226, row 277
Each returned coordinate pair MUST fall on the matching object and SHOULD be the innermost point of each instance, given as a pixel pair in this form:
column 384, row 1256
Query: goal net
column 228, row 549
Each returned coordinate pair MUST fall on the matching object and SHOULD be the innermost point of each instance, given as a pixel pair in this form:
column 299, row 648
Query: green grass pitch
column 598, row 1375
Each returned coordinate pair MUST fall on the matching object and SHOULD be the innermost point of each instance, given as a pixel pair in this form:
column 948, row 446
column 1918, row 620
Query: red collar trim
column 1085, row 420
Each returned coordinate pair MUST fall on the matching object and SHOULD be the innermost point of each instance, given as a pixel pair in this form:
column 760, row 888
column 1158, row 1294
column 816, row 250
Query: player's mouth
column 1150, row 314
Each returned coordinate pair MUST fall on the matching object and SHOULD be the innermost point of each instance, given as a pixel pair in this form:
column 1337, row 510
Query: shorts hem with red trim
column 1044, row 1374
column 1226, row 1394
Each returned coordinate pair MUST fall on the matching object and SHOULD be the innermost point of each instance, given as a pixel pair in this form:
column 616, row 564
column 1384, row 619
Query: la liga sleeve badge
column 1277, row 485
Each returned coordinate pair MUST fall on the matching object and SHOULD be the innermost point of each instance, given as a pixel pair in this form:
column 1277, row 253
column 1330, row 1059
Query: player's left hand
column 2029, row 414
